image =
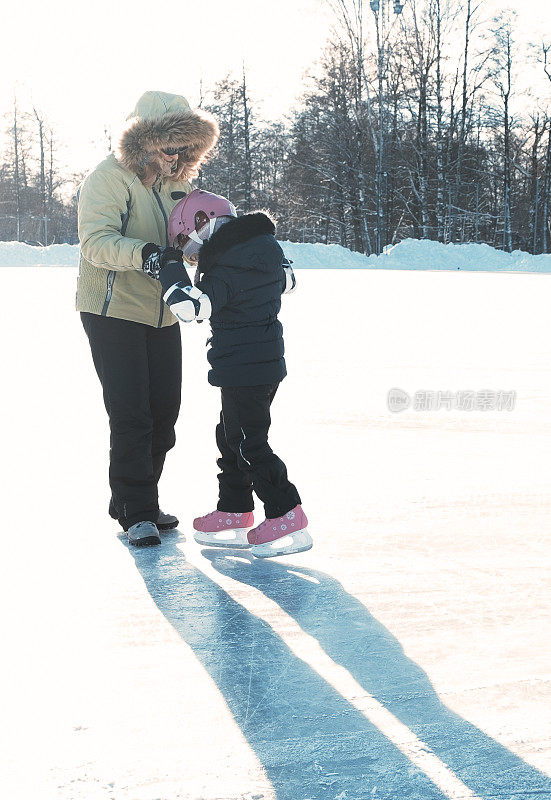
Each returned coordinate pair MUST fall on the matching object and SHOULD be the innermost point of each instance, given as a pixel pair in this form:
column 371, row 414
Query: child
column 239, row 282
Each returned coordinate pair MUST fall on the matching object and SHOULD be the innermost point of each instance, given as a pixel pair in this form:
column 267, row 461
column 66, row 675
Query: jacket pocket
column 109, row 293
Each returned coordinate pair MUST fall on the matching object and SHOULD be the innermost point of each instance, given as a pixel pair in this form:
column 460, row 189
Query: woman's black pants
column 140, row 369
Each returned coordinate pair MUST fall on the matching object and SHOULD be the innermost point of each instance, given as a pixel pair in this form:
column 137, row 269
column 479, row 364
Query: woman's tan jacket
column 118, row 214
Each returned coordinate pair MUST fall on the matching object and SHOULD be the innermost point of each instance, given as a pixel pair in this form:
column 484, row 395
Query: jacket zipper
column 112, row 273
column 160, row 202
column 110, row 281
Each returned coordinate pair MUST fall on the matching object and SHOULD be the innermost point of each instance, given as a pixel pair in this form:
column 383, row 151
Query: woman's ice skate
column 281, row 536
column 224, row 529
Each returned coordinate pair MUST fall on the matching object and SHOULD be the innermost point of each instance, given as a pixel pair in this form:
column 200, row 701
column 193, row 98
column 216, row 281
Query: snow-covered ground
column 408, row 254
column 406, row 657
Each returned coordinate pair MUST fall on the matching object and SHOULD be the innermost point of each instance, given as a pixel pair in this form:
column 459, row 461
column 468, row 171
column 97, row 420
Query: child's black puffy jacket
column 241, row 271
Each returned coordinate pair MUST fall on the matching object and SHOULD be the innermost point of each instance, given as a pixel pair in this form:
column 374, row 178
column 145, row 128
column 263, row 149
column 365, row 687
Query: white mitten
column 188, row 303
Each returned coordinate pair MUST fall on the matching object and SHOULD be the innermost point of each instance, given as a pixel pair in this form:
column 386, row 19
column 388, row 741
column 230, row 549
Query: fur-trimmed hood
column 225, row 246
column 166, row 120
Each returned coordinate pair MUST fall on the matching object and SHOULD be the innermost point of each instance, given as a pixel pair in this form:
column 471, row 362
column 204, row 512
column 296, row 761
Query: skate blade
column 300, row 544
column 236, row 539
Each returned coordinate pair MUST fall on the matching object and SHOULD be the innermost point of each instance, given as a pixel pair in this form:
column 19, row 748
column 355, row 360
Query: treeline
column 37, row 200
column 411, row 125
column 406, row 130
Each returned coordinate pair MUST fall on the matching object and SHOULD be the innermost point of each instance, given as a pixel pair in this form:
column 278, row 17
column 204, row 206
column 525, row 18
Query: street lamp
column 380, row 10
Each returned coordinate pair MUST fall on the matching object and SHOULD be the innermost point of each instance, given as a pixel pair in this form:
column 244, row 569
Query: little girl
column 242, row 273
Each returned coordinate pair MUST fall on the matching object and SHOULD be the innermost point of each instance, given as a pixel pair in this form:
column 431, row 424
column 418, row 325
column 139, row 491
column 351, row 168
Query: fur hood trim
column 197, row 131
column 235, row 232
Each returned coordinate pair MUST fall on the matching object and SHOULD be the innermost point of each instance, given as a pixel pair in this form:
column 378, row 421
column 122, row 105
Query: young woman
column 123, row 210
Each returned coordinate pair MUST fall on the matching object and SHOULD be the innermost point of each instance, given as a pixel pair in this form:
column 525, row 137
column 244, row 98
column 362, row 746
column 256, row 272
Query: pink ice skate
column 224, row 528
column 281, row 536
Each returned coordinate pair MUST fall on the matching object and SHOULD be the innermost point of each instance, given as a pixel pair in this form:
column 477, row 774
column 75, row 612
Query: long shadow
column 311, row 742
column 353, row 638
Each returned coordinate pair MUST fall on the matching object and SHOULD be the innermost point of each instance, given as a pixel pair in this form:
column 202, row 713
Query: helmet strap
column 195, row 236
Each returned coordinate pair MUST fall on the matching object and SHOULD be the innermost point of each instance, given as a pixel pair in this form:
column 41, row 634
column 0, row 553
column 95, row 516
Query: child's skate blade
column 232, row 538
column 296, row 542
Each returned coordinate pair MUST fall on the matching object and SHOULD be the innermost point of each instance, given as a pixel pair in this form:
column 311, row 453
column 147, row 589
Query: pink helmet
column 191, row 214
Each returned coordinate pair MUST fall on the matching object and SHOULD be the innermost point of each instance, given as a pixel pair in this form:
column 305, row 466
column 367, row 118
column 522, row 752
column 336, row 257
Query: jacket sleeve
column 217, row 290
column 102, row 206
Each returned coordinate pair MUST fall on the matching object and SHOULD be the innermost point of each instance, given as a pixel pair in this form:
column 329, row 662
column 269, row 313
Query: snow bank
column 422, row 254
column 17, row 254
column 409, row 254
column 325, row 256
column 417, row 254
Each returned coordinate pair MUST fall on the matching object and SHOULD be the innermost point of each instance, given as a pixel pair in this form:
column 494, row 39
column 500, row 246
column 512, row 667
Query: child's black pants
column 247, row 461
column 140, row 369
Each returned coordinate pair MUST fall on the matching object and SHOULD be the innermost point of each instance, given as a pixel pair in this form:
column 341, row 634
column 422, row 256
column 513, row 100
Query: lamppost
column 383, row 26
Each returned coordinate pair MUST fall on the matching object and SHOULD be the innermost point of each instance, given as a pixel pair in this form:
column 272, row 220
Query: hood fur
column 236, row 231
column 157, row 124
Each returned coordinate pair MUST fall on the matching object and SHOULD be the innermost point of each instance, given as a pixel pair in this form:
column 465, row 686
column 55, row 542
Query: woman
column 123, row 210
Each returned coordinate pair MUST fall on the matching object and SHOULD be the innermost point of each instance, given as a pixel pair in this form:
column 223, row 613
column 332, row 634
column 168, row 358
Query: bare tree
column 546, row 204
column 350, row 14
column 502, row 76
column 16, row 168
column 247, row 143
column 538, row 129
column 42, row 175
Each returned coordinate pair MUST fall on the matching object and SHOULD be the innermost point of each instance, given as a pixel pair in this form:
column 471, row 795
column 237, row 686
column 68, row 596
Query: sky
column 85, row 65
column 87, row 69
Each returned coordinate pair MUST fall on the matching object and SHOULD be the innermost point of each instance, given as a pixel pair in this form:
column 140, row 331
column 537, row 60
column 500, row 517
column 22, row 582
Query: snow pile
column 417, row 254
column 18, row 254
column 325, row 256
column 423, row 254
column 410, row 254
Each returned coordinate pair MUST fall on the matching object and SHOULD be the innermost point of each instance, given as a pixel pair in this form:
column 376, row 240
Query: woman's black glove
column 154, row 258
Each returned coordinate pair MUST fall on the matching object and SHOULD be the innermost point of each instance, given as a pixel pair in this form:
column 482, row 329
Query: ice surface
column 405, row 657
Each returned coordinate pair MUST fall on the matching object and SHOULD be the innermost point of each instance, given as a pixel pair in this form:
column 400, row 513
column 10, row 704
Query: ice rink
column 406, row 657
